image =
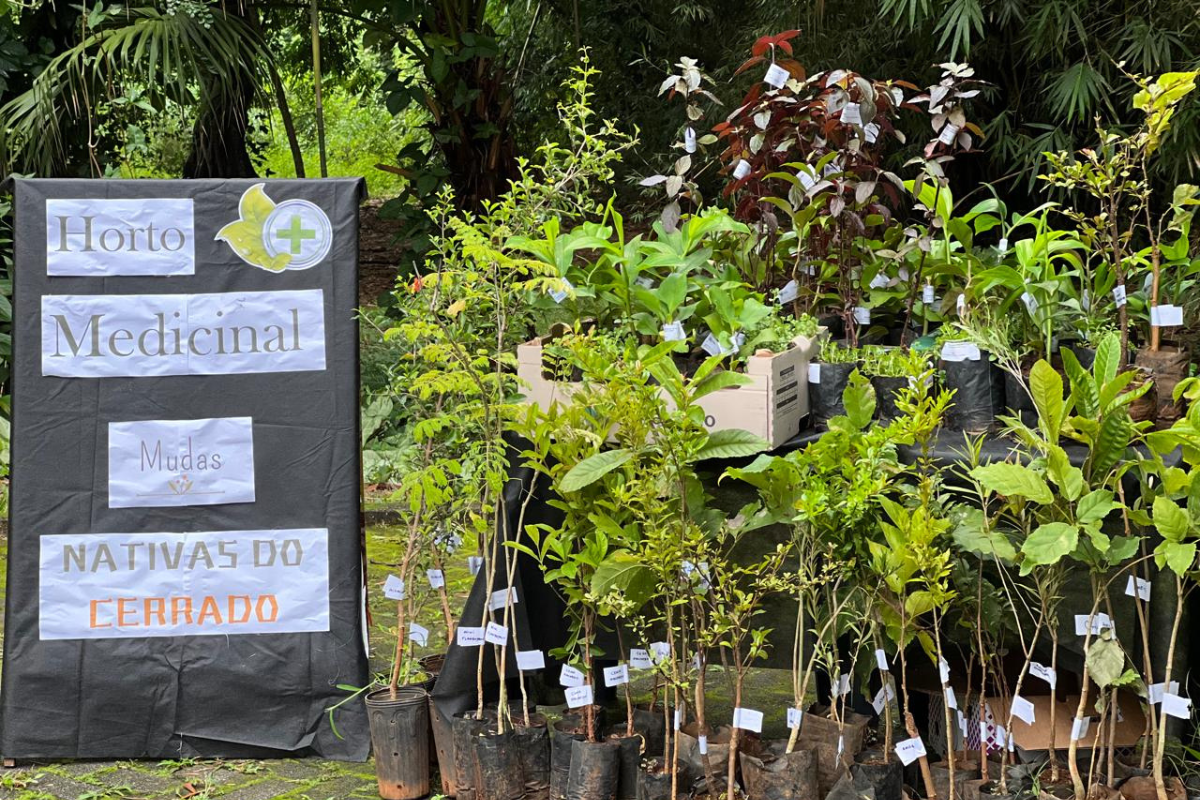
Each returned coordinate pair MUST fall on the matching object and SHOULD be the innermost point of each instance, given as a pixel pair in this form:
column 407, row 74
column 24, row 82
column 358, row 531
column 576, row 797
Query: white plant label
column 530, row 660
column 474, row 564
column 880, row 281
column 841, row 746
column 885, row 695
column 500, row 598
column 789, row 292
column 1003, row 246
column 962, row 722
column 615, row 676
column 1166, row 316
column 121, row 585
column 1085, row 300
column 871, row 132
column 1156, row 691
column 98, row 237
column 711, row 346
column 678, row 720
column 645, row 282
column 814, row 372
column 776, row 76
column 689, row 139
column 1079, row 728
column 1031, row 303
column 795, row 716
column 418, row 634
column 960, row 351
column 1119, row 295
column 702, row 744
column 741, row 170
column 661, row 651
column 1138, row 587
column 558, row 295
column 496, row 634
column 579, row 696
column 960, row 305
column 1022, row 709
column 1045, row 673
column 469, row 637
column 570, row 676
column 852, row 114
column 151, row 335
column 393, row 588
column 862, row 315
column 437, row 579
column 1099, row 623
column 748, row 719
column 640, row 659
column 951, row 697
column 910, row 750
column 927, row 295
column 1177, row 706
column 843, row 685
column 949, row 131
column 881, row 660
column 944, row 671
column 673, row 332
column 191, row 462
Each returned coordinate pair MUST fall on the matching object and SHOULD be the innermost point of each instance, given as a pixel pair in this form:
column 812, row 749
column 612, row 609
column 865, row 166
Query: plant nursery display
column 960, row 440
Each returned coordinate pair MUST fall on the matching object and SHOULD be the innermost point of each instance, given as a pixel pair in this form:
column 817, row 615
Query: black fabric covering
column 234, row 696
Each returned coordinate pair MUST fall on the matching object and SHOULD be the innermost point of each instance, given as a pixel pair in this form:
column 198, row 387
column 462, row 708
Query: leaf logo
column 291, row 235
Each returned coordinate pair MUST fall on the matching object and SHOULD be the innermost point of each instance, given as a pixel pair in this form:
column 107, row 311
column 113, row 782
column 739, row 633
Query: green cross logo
column 295, row 234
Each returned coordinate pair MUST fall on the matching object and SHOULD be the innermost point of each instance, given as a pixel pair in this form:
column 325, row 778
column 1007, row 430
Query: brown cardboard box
column 1131, row 723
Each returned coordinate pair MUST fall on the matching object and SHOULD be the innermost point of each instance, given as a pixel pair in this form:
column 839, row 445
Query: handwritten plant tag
column 795, row 717
column 1138, row 587
column 871, row 132
column 962, row 722
column 862, row 315
column 1079, row 728
column 1099, row 623
column 1085, row 300
column 949, row 131
column 660, row 651
column 1166, row 316
column 678, row 721
column 530, row 660
column 1022, row 709
column 495, row 634
column 570, row 677
column 474, row 564
column 748, row 719
column 789, row 292
column 960, row 351
column 469, row 637
column 645, row 282
column 640, row 659
column 910, row 750
column 951, row 697
column 741, row 170
column 776, row 76
column 393, row 588
column 579, row 696
column 1119, row 295
column 843, row 685
column 1177, row 706
column 615, row 676
column 689, row 139
column 852, row 114
column 880, row 281
column 558, row 295
column 814, row 372
column 418, row 634
column 944, row 671
column 881, row 660
column 960, row 305
column 883, row 697
column 1045, row 673
column 702, row 744
column 711, row 346
column 673, row 332
column 927, row 295
column 1156, row 691
column 500, row 598
column 1031, row 303
column 437, row 579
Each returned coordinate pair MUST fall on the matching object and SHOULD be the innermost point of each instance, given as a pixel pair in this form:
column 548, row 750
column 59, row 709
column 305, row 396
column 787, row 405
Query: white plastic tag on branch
column 748, row 719
column 678, row 721
column 1119, row 295
column 711, row 346
column 944, row 671
column 1085, row 300
column 852, row 114
column 841, row 746
column 1003, row 246
column 469, row 637
column 882, row 698
column 1156, row 691
column 960, row 351
column 1022, row 709
column 871, row 132
column 795, row 716
column 437, row 578
column 776, row 76
column 1045, row 673
column 645, row 282
column 741, row 170
column 949, row 131
column 1079, row 728
column 689, row 139
column 789, row 292
column 862, row 315
column 558, row 295
column 615, row 676
column 418, row 634
column 570, row 677
column 495, row 634
column 1031, row 303
column 910, row 750
column 661, row 651
column 960, row 305
column 1166, row 316
column 640, row 659
column 530, row 660
column 881, row 660
column 1138, row 587
column 843, row 685
column 1099, row 623
column 474, row 564
column 962, row 722
column 393, row 588
column 951, row 697
column 500, row 598
column 1177, row 706
column 814, row 372
column 673, row 332
column 880, row 281
column 702, row 744
column 579, row 696
column 927, row 295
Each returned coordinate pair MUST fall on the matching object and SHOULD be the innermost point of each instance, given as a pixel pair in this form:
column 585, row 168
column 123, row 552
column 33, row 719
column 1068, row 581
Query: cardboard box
column 1131, row 722
column 772, row 405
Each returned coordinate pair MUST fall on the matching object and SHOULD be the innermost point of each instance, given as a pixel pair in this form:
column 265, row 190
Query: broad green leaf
column 973, row 536
column 1050, row 542
column 1013, row 480
column 859, row 400
column 1170, row 520
column 1105, row 660
column 1069, row 479
column 1083, row 385
column 1108, row 358
column 1094, row 506
column 732, row 443
column 624, row 573
column 718, row 381
column 1046, row 386
column 1115, row 432
column 1178, row 556
column 592, row 469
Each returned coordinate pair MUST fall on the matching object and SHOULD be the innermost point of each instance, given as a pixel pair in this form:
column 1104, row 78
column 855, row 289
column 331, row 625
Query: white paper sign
column 1138, row 587
column 558, row 295
column 678, row 721
column 910, row 750
column 789, row 292
column 748, row 719
column 1045, row 673
column 927, row 295
column 1023, row 710
column 418, row 634
column 862, row 315
column 194, row 462
column 1166, row 316
column 615, row 676
column 949, row 131
column 852, row 114
column 741, row 170
column 118, row 585
column 673, row 332
column 881, row 660
column 150, row 335
column 393, row 588
column 885, row 695
column 474, row 564
column 689, row 139
column 500, row 598
column 880, row 281
column 1119, row 295
column 495, row 634
column 843, row 685
column 1177, row 706
column 579, row 696
column 960, row 305
column 776, row 76
column 814, row 372
column 795, row 717
column 437, row 578
column 1031, row 303
column 960, row 351
column 469, row 637
column 570, row 676
column 100, row 237
column 1079, row 728
column 944, row 671
column 661, row 651
column 950, row 696
column 640, row 659
column 530, row 660
column 1099, row 623
column 702, row 744
column 1157, row 690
